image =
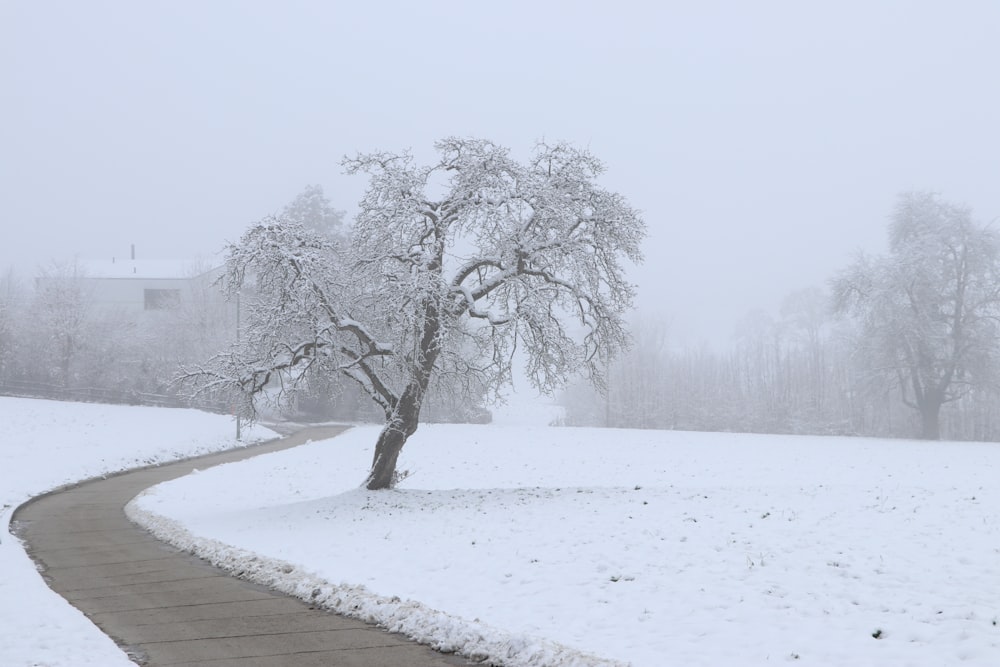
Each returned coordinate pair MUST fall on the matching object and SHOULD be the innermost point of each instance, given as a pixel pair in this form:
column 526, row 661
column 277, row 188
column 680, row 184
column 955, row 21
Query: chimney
column 133, row 251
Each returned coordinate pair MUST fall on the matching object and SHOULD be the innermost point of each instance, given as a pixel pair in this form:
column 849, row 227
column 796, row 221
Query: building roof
column 142, row 268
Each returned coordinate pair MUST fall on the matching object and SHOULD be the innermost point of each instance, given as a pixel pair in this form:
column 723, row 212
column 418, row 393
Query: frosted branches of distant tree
column 929, row 309
column 450, row 268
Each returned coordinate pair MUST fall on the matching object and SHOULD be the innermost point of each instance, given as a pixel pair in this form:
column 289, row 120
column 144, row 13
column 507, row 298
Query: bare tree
column 928, row 309
column 636, row 393
column 805, row 320
column 451, row 268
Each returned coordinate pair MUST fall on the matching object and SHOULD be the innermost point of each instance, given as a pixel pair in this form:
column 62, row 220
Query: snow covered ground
column 555, row 546
column 545, row 546
column 48, row 444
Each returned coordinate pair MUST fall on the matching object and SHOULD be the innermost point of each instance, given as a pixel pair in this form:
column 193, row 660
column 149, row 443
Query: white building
column 134, row 285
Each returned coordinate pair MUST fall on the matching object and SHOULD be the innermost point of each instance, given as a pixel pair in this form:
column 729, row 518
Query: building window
column 161, row 299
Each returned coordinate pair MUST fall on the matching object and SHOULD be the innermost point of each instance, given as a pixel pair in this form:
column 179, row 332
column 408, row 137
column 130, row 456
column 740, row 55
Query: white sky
column 764, row 141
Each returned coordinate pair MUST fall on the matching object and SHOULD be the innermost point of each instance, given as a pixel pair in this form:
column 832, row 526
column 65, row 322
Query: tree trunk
column 398, row 429
column 403, row 421
column 930, row 424
column 387, row 448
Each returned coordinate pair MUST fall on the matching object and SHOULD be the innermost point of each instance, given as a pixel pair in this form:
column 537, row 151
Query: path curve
column 167, row 607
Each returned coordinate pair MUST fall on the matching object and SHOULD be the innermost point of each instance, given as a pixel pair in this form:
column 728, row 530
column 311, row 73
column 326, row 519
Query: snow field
column 545, row 546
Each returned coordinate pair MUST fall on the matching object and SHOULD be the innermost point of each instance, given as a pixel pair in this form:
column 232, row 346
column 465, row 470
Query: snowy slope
column 47, row 444
column 545, row 546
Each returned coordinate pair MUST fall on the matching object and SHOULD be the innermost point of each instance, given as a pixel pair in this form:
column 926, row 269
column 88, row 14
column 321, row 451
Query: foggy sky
column 764, row 142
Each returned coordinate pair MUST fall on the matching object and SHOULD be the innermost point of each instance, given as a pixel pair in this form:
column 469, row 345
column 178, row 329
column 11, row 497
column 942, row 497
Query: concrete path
column 166, row 607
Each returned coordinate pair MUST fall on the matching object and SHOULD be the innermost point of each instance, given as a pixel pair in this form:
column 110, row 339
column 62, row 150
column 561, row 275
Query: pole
column 239, row 434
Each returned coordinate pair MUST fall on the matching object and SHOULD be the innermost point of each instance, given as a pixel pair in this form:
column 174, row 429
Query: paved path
column 166, row 607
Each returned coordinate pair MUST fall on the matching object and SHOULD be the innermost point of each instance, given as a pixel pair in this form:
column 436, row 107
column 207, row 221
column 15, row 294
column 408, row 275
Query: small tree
column 313, row 210
column 11, row 317
column 450, row 269
column 928, row 310
column 62, row 319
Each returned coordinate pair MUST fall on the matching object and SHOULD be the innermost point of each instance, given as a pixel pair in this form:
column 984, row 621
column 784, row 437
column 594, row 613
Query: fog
column 764, row 142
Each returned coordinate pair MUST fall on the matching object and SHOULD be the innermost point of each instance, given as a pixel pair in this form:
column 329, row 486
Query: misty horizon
column 764, row 145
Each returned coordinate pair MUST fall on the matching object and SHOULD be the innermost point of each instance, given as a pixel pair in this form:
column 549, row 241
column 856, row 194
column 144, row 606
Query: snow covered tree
column 313, row 210
column 450, row 268
column 10, row 316
column 928, row 310
column 62, row 319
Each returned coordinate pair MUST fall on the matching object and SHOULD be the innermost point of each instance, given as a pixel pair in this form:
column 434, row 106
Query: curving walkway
column 167, row 607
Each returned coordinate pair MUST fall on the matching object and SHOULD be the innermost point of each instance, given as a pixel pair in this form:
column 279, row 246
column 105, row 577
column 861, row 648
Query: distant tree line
column 900, row 345
column 905, row 344
column 58, row 340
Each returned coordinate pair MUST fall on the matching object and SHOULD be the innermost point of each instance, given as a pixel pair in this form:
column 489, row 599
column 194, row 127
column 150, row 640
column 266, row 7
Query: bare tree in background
column 928, row 310
column 451, row 268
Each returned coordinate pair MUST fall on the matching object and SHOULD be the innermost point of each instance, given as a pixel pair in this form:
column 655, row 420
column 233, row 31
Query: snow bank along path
column 166, row 607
